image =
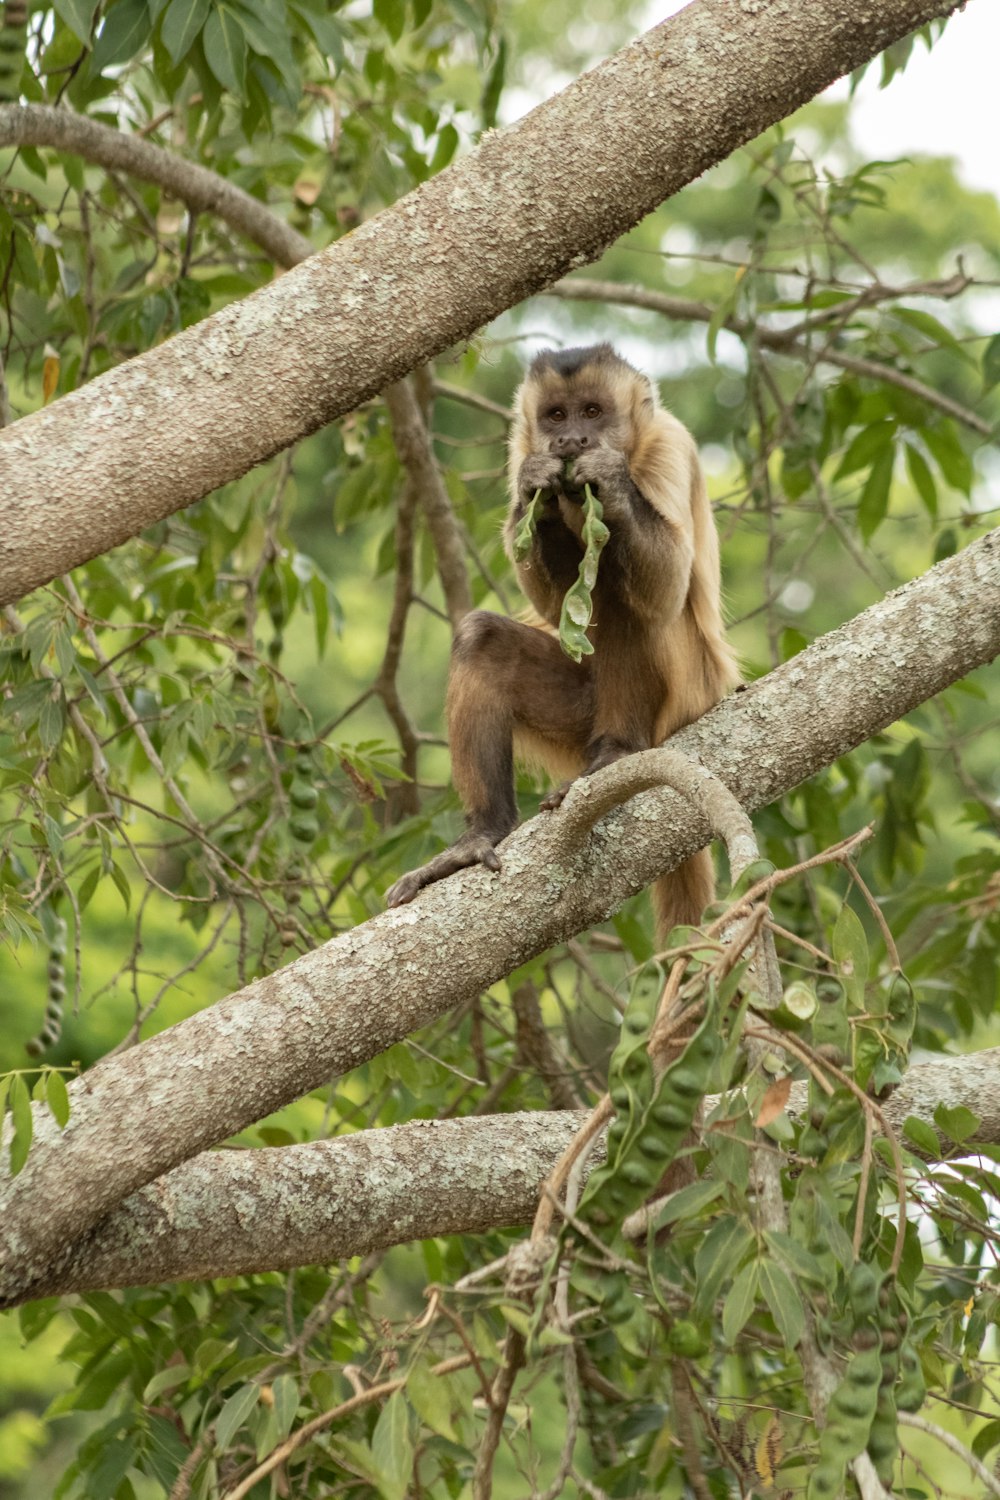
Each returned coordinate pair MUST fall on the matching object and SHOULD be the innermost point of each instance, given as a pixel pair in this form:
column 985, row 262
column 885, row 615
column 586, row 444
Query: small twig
column 780, row 340
column 865, row 1177
column 499, row 1399
column 876, row 912
column 955, row 1445
column 326, row 1419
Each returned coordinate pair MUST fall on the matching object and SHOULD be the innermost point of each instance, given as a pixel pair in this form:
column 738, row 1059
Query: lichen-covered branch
column 229, row 1213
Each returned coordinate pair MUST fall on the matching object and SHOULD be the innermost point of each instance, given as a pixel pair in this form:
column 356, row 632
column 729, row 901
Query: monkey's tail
column 681, row 896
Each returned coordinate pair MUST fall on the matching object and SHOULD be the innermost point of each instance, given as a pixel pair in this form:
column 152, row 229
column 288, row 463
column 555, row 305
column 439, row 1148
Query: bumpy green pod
column 912, row 1389
column 849, row 1420
column 862, row 1289
column 656, row 1126
column 524, row 536
column 883, row 1439
column 303, row 795
column 578, row 603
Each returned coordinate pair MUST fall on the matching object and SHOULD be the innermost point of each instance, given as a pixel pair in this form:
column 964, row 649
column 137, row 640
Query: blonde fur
column 682, row 615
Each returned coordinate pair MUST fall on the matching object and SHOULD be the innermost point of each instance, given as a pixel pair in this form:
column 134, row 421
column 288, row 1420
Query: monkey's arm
column 651, row 549
column 551, row 566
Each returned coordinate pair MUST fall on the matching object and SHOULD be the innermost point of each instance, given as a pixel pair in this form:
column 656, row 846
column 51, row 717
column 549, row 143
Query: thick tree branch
column 138, row 1114
column 230, row 1213
column 173, row 424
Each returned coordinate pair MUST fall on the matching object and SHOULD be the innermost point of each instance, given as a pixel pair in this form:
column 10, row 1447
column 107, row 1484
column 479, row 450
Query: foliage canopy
column 222, row 742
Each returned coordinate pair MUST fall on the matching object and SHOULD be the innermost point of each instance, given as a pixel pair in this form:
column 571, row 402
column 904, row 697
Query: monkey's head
column 575, row 399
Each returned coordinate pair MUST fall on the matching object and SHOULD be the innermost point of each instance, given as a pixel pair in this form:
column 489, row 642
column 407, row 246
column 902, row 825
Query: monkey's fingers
column 554, row 799
column 470, row 850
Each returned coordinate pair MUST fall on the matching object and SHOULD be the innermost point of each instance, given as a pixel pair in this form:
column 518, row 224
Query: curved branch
column 138, row 1114
column 230, row 1213
column 685, row 310
column 202, row 190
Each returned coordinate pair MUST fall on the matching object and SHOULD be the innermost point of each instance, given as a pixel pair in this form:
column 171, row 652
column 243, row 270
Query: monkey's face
column 572, row 421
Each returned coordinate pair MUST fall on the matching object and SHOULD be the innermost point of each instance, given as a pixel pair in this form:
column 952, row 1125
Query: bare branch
column 202, row 190
column 413, row 444
column 684, row 309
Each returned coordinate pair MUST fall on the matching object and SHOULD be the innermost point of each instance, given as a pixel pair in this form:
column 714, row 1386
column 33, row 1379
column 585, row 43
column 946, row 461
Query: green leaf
column 447, row 145
column 689, row 1201
column 392, row 1449
column 182, row 23
column 923, row 479
column 922, row 1136
column 20, row 1109
column 493, row 87
column 850, row 949
column 991, row 362
column 126, row 29
column 226, row 50
column 720, row 1252
column 784, row 1301
column 234, row 1414
column 866, row 447
column 958, row 1124
column 391, row 16
column 57, row 1097
column 165, row 1380
column 795, row 1256
column 950, row 456
column 932, row 328
column 285, row 1391
column 78, row 15
column 431, row 1399
column 740, row 1300
column 874, row 502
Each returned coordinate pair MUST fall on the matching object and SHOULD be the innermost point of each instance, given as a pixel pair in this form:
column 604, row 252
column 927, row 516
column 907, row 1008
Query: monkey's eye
column 557, row 414
column 592, row 410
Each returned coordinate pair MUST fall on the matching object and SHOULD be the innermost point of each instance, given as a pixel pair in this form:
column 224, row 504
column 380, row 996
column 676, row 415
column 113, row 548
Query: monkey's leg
column 628, row 689
column 506, row 679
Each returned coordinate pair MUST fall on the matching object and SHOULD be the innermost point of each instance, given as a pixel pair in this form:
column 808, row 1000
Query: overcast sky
column 945, row 102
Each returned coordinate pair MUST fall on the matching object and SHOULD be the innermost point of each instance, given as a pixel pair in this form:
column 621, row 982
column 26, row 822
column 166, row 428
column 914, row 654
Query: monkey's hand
column 470, row 849
column 540, row 471
column 606, row 471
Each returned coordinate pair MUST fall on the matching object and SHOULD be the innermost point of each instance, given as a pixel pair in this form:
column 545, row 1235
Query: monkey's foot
column 554, row 799
column 471, row 849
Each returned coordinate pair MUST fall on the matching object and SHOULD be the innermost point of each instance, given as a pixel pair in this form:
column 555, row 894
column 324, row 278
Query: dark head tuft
column 569, row 362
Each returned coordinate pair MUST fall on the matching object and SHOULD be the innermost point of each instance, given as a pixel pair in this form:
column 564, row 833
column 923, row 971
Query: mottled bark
column 230, row 1213
column 138, row 1114
column 143, row 440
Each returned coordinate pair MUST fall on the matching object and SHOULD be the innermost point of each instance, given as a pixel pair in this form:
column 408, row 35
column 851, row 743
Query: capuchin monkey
column 585, row 416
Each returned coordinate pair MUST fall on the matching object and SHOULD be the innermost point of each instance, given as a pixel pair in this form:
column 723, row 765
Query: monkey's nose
column 570, row 445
